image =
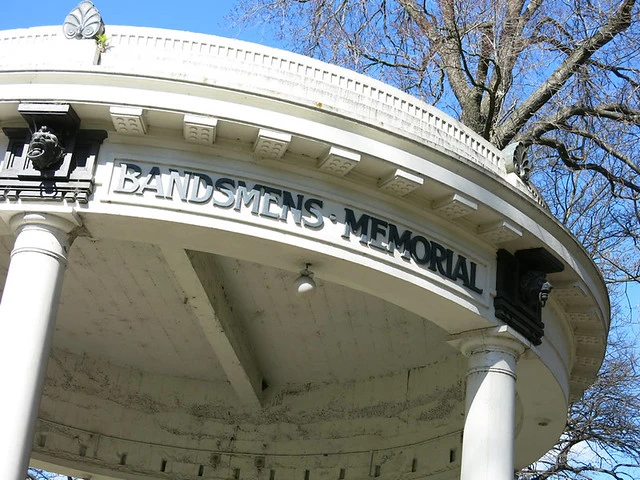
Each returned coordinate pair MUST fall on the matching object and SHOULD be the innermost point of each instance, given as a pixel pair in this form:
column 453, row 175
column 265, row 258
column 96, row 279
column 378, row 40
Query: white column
column 489, row 428
column 27, row 319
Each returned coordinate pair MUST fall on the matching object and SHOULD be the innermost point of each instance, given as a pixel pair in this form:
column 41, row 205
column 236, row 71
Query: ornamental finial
column 84, row 21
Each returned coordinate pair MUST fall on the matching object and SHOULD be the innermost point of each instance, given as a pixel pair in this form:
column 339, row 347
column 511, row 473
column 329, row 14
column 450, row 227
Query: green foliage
column 102, row 41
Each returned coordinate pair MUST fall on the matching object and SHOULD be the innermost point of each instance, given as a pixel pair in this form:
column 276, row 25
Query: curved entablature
column 206, row 173
column 138, row 62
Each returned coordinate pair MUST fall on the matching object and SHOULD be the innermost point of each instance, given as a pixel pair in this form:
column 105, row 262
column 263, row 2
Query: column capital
column 501, row 338
column 65, row 222
column 44, row 233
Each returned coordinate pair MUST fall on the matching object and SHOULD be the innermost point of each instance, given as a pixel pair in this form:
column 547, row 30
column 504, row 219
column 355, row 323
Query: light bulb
column 305, row 286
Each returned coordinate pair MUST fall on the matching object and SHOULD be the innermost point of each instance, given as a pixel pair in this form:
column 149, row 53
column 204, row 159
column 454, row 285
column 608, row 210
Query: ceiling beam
column 198, row 275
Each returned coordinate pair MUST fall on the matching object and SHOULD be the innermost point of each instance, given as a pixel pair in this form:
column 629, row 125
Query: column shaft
column 27, row 319
column 489, row 429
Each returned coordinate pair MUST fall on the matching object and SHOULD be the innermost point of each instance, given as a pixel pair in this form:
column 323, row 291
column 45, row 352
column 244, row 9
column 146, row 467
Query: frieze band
column 307, row 212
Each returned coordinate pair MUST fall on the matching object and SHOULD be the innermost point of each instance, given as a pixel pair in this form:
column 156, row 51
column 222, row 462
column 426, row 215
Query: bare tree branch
column 563, row 77
column 616, row 24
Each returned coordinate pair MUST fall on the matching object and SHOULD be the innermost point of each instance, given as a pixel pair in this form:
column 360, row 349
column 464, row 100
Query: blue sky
column 202, row 16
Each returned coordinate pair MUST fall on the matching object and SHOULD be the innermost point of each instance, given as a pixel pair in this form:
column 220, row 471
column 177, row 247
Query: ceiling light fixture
column 305, row 286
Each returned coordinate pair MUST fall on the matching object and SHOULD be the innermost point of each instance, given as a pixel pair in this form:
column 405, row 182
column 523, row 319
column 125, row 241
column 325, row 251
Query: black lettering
column 420, row 257
column 198, row 180
column 266, row 189
column 129, row 178
column 378, row 227
column 400, row 242
column 351, row 225
column 289, row 206
column 449, row 263
column 153, row 181
column 313, row 206
column 268, row 199
column 180, row 182
column 460, row 272
column 472, row 282
column 248, row 197
column 227, row 187
column 438, row 255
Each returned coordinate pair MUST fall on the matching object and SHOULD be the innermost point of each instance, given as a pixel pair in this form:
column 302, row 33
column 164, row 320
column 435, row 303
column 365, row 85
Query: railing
column 266, row 71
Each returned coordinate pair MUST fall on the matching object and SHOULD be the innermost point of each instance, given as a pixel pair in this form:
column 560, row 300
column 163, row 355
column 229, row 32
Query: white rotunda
column 222, row 260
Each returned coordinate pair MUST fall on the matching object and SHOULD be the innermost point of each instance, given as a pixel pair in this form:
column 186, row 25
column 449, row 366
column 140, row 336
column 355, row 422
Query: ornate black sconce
column 54, row 128
column 45, row 149
column 52, row 159
column 522, row 289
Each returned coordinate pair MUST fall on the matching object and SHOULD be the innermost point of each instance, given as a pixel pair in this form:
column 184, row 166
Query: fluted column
column 27, row 318
column 489, row 428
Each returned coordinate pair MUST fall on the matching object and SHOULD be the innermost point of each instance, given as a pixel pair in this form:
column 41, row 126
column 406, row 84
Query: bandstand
column 222, row 260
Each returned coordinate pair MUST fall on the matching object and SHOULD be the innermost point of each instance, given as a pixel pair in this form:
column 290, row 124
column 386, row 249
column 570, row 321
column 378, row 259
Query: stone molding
column 31, row 226
column 258, row 69
column 65, row 225
column 501, row 338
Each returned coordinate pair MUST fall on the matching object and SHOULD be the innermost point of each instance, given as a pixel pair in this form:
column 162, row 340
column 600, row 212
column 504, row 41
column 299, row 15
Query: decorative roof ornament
column 515, row 157
column 84, row 21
